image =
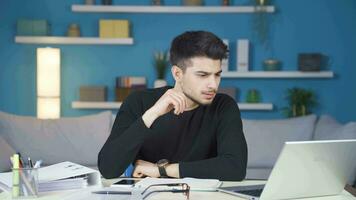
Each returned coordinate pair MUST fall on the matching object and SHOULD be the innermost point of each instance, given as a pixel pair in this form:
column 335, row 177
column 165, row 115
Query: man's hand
column 172, row 99
column 144, row 168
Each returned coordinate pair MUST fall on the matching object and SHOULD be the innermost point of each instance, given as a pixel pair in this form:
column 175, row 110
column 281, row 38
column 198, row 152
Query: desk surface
column 85, row 194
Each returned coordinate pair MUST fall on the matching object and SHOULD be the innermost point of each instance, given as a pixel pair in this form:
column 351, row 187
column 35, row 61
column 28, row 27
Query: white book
column 137, row 80
column 225, row 62
column 242, row 55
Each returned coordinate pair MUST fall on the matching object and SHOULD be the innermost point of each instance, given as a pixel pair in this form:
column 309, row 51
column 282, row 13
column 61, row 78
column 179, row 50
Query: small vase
column 193, row 2
column 157, row 2
column 89, row 2
column 159, row 83
column 73, row 30
column 253, row 96
column 271, row 65
column 106, row 2
column 225, row 2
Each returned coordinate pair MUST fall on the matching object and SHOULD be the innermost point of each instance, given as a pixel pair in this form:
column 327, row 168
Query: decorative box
column 106, row 29
column 309, row 61
column 27, row 27
column 93, row 93
column 121, row 28
column 114, row 28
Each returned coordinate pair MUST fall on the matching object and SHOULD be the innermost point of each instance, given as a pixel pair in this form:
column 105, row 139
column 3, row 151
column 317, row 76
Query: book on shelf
column 131, row 82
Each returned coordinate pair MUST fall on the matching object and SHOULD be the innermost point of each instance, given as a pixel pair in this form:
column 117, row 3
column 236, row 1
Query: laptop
column 306, row 169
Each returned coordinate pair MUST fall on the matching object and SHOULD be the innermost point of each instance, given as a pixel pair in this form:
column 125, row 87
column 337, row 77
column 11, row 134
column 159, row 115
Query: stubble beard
column 195, row 100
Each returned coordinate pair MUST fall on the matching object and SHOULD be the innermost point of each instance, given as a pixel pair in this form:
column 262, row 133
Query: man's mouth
column 209, row 95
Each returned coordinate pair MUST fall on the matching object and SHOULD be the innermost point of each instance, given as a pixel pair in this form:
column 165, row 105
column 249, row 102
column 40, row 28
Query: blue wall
column 325, row 26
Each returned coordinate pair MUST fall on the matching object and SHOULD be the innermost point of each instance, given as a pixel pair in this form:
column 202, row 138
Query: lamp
column 48, row 83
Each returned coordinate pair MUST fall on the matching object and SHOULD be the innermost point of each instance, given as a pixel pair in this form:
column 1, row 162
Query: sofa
column 79, row 139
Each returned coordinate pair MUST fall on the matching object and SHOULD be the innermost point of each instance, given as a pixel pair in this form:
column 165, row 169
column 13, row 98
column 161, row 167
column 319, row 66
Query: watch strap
column 162, row 171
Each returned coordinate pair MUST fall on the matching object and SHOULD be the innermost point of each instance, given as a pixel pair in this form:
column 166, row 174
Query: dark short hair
column 195, row 44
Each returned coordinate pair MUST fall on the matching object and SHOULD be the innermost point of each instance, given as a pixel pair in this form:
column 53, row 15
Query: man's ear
column 177, row 73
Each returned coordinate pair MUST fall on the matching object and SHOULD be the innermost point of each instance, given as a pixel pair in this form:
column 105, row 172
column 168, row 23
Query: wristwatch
column 161, row 164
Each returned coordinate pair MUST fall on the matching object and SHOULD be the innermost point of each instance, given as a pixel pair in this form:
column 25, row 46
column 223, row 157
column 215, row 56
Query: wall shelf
column 171, row 9
column 95, row 105
column 278, row 74
column 116, row 105
column 72, row 40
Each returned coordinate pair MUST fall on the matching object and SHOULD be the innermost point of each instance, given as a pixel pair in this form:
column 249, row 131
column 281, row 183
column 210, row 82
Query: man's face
column 201, row 79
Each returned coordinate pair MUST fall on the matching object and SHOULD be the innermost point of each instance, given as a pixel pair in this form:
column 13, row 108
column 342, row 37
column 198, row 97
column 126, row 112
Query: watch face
column 162, row 162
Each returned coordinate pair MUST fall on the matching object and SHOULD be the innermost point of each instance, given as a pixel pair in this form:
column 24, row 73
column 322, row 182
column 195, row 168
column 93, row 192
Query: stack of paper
column 194, row 183
column 65, row 184
column 61, row 176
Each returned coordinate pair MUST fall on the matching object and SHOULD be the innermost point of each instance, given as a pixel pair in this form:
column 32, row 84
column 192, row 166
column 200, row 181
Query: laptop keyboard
column 255, row 192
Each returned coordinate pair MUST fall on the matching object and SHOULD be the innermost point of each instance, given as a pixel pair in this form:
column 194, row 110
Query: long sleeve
column 127, row 136
column 231, row 160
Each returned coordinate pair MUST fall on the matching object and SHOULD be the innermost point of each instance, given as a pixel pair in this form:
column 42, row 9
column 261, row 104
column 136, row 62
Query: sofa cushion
column 327, row 128
column 5, row 152
column 265, row 138
column 76, row 139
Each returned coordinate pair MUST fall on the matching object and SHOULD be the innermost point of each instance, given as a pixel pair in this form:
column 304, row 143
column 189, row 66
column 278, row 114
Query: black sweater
column 207, row 141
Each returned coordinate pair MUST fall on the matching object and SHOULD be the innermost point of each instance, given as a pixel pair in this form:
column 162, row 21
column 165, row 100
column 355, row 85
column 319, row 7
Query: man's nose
column 213, row 83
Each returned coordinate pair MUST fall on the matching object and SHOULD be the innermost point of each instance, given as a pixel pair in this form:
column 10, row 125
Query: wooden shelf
column 278, row 74
column 171, row 9
column 116, row 105
column 96, row 105
column 72, row 40
column 255, row 106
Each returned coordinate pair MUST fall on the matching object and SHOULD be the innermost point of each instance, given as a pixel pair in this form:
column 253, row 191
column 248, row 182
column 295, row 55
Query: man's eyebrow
column 202, row 72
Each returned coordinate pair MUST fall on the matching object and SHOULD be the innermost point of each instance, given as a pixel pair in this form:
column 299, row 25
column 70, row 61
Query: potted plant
column 301, row 102
column 160, row 63
column 260, row 22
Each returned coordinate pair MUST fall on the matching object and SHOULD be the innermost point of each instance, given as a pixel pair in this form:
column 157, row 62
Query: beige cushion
column 328, row 128
column 5, row 152
column 265, row 138
column 76, row 139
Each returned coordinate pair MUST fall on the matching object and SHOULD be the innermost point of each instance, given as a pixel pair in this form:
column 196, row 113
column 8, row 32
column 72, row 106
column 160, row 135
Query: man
column 184, row 131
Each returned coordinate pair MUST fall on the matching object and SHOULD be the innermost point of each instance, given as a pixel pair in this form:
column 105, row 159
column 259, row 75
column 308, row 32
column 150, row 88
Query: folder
column 106, row 28
column 60, row 176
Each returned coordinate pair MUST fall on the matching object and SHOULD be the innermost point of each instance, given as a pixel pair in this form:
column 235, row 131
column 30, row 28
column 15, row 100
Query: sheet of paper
column 6, row 179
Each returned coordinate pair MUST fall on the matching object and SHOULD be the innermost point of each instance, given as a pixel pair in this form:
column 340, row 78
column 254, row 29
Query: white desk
column 85, row 194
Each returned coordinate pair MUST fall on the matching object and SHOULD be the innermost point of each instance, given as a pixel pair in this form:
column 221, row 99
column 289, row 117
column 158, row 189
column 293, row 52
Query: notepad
column 194, row 183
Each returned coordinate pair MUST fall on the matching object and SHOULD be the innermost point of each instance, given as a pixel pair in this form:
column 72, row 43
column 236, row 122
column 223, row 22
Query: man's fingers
column 180, row 102
column 137, row 172
column 176, row 104
column 183, row 100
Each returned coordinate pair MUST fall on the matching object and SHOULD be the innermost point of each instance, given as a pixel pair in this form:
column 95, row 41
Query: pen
column 112, row 192
column 22, row 164
column 30, row 164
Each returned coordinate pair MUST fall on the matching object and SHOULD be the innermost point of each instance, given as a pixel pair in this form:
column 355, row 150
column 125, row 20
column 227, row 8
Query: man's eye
column 218, row 75
column 202, row 75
